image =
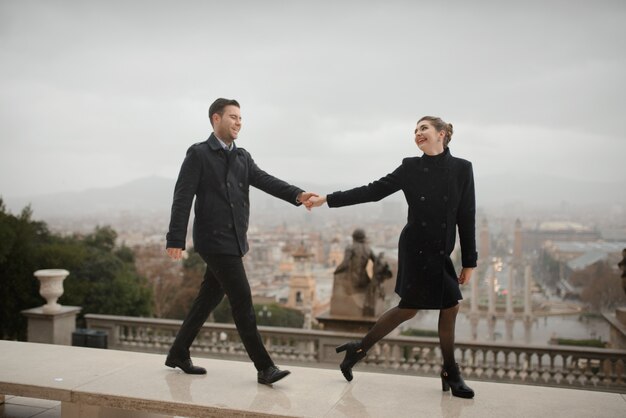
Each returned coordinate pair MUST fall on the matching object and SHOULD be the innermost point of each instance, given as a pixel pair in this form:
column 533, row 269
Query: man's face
column 227, row 125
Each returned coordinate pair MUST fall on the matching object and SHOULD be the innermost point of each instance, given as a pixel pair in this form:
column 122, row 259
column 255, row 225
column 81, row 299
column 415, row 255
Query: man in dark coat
column 219, row 175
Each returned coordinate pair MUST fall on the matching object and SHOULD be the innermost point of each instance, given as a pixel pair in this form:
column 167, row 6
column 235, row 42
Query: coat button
column 445, row 198
column 420, row 252
column 232, row 206
column 423, row 223
column 425, row 169
column 230, row 226
column 422, row 198
column 240, row 184
column 442, row 252
column 227, row 184
column 443, row 225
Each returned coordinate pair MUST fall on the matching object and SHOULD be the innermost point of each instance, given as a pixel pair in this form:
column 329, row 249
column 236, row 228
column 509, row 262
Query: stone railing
column 572, row 367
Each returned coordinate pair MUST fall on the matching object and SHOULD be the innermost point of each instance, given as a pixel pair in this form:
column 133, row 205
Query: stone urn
column 51, row 288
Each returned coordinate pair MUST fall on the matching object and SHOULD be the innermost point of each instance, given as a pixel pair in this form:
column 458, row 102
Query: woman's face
column 428, row 140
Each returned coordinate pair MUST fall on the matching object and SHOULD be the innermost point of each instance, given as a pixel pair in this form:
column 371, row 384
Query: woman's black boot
column 354, row 353
column 451, row 379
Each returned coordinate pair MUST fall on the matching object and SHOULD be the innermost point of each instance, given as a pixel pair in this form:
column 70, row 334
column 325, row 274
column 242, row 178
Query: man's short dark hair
column 219, row 105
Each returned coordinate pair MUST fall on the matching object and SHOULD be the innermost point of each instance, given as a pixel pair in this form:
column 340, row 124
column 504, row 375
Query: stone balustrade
column 546, row 365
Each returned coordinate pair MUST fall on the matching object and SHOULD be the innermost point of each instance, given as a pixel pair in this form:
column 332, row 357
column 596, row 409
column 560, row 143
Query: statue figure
column 622, row 266
column 355, row 293
column 375, row 290
column 354, row 263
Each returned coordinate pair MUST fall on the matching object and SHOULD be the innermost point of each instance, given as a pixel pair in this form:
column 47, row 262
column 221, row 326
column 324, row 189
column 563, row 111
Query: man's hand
column 466, row 274
column 315, row 201
column 175, row 253
column 304, row 198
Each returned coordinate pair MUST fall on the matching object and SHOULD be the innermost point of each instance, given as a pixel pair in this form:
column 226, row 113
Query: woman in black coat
column 439, row 189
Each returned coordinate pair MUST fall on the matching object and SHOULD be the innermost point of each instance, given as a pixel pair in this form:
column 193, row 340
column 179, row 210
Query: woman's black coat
column 440, row 193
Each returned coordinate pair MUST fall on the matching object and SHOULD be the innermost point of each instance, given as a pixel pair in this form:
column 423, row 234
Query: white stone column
column 528, row 313
column 474, row 304
column 527, row 292
column 510, row 317
column 491, row 310
column 474, row 314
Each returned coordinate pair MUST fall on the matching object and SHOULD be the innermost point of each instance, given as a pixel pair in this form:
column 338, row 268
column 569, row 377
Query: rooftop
column 584, row 247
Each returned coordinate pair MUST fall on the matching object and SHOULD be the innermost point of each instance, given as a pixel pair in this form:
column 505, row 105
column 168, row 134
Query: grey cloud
column 123, row 87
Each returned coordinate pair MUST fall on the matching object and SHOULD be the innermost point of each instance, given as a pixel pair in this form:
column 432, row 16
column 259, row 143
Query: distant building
column 301, row 281
column 533, row 239
column 335, row 254
column 581, row 253
column 577, row 256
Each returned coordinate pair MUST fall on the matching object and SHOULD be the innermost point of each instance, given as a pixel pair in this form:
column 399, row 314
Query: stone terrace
column 93, row 382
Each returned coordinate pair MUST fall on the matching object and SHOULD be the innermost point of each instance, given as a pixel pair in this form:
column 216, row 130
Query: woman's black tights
column 395, row 316
column 447, row 320
column 385, row 324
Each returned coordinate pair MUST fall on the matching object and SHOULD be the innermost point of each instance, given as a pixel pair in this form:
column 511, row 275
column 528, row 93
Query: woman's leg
column 356, row 350
column 451, row 375
column 385, row 324
column 447, row 321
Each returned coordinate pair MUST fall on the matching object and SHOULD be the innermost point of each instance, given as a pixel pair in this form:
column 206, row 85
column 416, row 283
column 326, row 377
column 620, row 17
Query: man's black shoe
column 185, row 365
column 271, row 375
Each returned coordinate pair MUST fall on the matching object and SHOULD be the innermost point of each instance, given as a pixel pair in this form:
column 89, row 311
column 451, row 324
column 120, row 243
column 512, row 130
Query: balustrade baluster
column 564, row 367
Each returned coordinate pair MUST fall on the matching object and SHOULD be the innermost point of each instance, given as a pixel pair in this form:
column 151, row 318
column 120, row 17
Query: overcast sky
column 98, row 93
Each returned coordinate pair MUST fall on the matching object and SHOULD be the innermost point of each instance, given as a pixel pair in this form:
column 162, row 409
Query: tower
column 301, row 281
column 335, row 255
column 517, row 242
column 484, row 241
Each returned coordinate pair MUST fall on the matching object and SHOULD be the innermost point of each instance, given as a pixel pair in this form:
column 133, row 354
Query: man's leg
column 209, row 296
column 230, row 272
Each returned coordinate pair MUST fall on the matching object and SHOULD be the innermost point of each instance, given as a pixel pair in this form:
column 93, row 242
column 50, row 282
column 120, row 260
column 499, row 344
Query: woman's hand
column 315, row 201
column 466, row 274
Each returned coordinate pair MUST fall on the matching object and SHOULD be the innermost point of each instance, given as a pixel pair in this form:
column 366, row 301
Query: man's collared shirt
column 223, row 144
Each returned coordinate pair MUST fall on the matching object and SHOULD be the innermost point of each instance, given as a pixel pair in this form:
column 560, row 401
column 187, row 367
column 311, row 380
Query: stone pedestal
column 51, row 328
column 617, row 322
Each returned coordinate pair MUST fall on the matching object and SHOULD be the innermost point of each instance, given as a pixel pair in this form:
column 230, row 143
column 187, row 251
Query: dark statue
column 355, row 293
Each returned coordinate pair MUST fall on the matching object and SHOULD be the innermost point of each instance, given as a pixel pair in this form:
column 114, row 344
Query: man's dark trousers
column 225, row 274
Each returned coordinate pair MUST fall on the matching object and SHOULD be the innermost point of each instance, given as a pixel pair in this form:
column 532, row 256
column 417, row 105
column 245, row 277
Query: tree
column 602, row 286
column 165, row 277
column 20, row 239
column 102, row 277
column 106, row 278
column 193, row 274
column 272, row 314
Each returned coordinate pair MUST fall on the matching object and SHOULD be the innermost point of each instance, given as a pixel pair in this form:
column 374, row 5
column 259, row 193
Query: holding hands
column 314, row 201
column 311, row 200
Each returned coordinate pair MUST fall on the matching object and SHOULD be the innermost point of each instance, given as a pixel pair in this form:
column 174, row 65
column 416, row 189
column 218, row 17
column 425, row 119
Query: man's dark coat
column 220, row 180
